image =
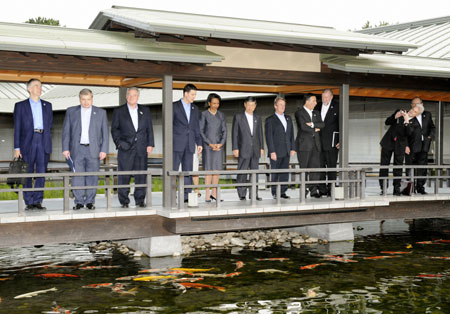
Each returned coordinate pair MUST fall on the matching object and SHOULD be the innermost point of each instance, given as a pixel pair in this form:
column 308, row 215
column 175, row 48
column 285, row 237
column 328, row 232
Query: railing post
column 149, row 189
column 20, row 203
column 254, row 189
column 108, row 191
column 66, row 194
column 436, row 182
column 218, row 197
column 303, row 188
column 278, row 195
column 358, row 184
column 362, row 189
column 180, row 191
column 333, row 192
column 385, row 184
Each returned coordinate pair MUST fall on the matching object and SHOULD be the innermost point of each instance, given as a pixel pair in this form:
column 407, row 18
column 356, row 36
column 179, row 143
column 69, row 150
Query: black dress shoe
column 422, row 191
column 258, row 198
column 124, row 206
column 39, row 206
column 397, row 192
column 140, row 204
column 78, row 206
column 316, row 194
column 214, row 199
column 29, row 207
column 90, row 206
column 285, row 196
column 242, row 198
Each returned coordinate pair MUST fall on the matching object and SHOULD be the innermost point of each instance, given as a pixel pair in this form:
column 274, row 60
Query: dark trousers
column 128, row 161
column 84, row 162
column 245, row 164
column 420, row 159
column 186, row 159
column 328, row 159
column 385, row 160
column 310, row 159
column 280, row 163
column 37, row 161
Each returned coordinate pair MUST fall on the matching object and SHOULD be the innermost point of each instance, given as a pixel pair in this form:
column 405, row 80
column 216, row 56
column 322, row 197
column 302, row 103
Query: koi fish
column 193, row 279
column 58, row 266
column 271, row 271
column 239, row 264
column 312, row 266
column 97, row 267
column 408, row 246
column 120, row 290
column 192, row 270
column 129, row 277
column 178, row 272
column 59, row 310
column 430, row 275
column 426, row 242
column 56, row 275
column 200, row 286
column 340, row 260
column 279, row 259
column 153, row 270
column 232, row 274
column 99, row 285
column 439, row 257
column 395, row 252
column 443, row 241
column 5, row 278
column 34, row 293
column 379, row 257
column 152, row 278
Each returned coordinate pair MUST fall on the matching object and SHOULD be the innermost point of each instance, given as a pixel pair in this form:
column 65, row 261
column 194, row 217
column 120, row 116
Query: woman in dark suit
column 213, row 130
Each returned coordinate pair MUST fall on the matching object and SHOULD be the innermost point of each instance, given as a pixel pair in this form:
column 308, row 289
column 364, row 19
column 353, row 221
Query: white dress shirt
column 310, row 115
column 250, row 121
column 283, row 120
column 324, row 110
column 134, row 116
column 85, row 122
column 419, row 118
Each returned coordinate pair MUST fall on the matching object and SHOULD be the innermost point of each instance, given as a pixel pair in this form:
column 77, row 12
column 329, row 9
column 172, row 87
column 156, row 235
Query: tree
column 380, row 24
column 44, row 21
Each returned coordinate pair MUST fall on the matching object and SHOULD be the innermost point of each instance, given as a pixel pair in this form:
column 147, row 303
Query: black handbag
column 18, row 165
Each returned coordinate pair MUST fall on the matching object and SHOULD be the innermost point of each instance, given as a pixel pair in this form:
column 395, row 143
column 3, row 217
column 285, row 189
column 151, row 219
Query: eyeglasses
column 419, row 103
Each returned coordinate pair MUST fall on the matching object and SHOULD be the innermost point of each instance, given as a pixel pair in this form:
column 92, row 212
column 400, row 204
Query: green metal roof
column 207, row 26
column 95, row 43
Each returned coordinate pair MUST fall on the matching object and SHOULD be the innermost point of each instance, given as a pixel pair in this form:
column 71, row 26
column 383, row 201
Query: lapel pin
column 140, row 112
column 95, row 112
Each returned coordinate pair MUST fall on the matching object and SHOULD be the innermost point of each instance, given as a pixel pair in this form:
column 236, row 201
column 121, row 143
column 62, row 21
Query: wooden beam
column 130, row 82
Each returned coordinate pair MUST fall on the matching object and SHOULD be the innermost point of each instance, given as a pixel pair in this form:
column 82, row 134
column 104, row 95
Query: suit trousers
column 84, row 162
column 128, row 161
column 328, row 159
column 419, row 159
column 37, row 161
column 186, row 159
column 280, row 163
column 245, row 164
column 385, row 160
column 310, row 159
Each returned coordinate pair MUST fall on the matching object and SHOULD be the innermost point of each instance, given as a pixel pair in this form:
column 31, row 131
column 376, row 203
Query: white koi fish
column 34, row 293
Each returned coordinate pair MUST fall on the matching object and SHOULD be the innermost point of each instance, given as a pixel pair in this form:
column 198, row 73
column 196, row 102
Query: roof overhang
column 234, row 32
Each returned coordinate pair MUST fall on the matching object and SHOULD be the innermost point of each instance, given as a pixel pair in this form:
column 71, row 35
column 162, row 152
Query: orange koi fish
column 439, row 257
column 233, row 274
column 5, row 278
column 129, row 277
column 279, row 259
column 312, row 266
column 379, row 257
column 56, row 275
column 97, row 267
column 178, row 272
column 430, row 275
column 200, row 286
column 193, row 279
column 99, row 285
column 239, row 264
column 341, row 260
column 395, row 252
column 443, row 241
column 426, row 242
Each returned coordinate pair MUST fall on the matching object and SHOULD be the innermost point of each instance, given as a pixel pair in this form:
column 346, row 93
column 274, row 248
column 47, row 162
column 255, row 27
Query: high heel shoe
column 213, row 198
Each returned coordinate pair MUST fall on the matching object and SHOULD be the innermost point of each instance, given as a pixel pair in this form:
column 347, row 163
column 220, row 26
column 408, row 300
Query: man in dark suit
column 186, row 133
column 132, row 132
column 419, row 142
column 85, row 139
column 280, row 143
column 394, row 142
column 309, row 124
column 247, row 143
column 329, row 135
column 33, row 120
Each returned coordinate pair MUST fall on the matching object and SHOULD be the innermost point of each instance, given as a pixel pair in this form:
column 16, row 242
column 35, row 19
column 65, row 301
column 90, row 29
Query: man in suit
column 247, row 143
column 394, row 142
column 309, row 124
column 186, row 133
column 85, row 140
column 280, row 143
column 329, row 135
column 419, row 142
column 33, row 120
column 132, row 132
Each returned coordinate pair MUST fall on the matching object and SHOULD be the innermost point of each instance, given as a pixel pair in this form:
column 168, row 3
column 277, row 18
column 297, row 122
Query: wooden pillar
column 344, row 104
column 439, row 134
column 167, row 115
column 122, row 95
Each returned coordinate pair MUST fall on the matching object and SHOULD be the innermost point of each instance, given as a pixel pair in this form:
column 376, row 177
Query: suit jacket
column 331, row 125
column 98, row 131
column 124, row 134
column 185, row 133
column 249, row 145
column 307, row 137
column 427, row 130
column 23, row 127
column 278, row 140
column 396, row 137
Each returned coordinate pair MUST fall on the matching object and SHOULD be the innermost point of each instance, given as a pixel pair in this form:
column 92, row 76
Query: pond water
column 347, row 277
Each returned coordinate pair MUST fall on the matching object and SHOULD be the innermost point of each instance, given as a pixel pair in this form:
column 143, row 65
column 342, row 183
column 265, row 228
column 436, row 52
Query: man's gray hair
column 421, row 108
column 86, row 91
column 133, row 88
column 278, row 98
column 327, row 90
column 31, row 81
